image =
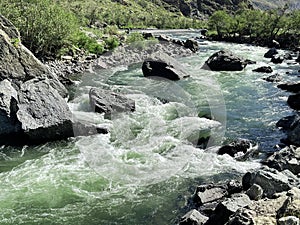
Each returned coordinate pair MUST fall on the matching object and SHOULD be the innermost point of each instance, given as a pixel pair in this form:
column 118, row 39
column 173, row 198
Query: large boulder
column 227, row 208
column 270, row 180
column 294, row 101
column 193, row 217
column 108, row 102
column 209, row 193
column 164, row 69
column 291, row 125
column 224, row 61
column 43, row 113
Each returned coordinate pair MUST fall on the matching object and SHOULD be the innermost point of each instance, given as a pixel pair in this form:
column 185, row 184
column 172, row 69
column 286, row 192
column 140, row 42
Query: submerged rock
column 225, row 61
column 263, row 69
column 108, row 102
column 273, row 78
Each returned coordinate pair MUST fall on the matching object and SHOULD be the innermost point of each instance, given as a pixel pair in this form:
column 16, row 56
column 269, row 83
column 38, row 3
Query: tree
column 221, row 22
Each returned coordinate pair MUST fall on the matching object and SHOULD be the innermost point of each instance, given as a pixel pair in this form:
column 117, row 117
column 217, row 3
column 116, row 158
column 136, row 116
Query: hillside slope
column 272, row 4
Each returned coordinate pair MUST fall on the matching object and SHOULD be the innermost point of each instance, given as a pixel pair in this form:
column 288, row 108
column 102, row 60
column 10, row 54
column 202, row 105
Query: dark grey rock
column 271, row 53
column 8, row 109
column 273, row 78
column 193, row 217
column 263, row 69
column 234, row 186
column 287, row 158
column 163, row 69
column 43, row 113
column 294, row 101
column 191, row 44
column 165, row 38
column 227, row 208
column 238, row 146
column 277, row 59
column 270, row 180
column 291, row 87
column 108, row 102
column 224, row 61
column 288, row 56
column 242, row 217
column 255, row 192
column 287, row 123
column 209, row 193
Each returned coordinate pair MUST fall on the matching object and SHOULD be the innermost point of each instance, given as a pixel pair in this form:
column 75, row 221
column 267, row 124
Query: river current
column 146, row 168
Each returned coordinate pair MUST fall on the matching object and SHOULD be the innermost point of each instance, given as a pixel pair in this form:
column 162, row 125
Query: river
column 146, row 168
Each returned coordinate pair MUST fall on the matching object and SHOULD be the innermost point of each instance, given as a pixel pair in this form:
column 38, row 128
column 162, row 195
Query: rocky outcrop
column 18, row 64
column 108, row 102
column 224, row 61
column 163, row 69
column 263, row 69
column 32, row 105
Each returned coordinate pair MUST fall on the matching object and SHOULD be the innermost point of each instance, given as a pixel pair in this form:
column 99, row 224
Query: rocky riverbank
column 269, row 195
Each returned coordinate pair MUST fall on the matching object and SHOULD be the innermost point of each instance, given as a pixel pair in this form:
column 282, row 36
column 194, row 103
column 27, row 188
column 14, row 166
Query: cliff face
column 196, row 8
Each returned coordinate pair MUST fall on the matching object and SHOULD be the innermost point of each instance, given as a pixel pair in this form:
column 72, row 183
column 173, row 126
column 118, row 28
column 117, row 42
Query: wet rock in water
column 270, row 180
column 288, row 56
column 235, row 147
column 298, row 58
column 271, row 53
column 287, row 158
column 249, row 62
column 178, row 42
column 193, row 217
column 291, row 125
column 165, row 38
column 192, row 45
column 108, row 102
column 263, row 69
column 291, row 87
column 209, row 193
column 287, row 122
column 227, row 208
column 273, row 78
column 289, row 220
column 43, row 113
column 82, row 129
column 224, row 61
column 277, row 59
column 255, row 192
column 163, row 69
column 294, row 101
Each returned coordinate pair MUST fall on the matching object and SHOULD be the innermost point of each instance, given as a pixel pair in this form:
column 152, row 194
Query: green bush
column 82, row 41
column 134, row 37
column 44, row 25
column 112, row 42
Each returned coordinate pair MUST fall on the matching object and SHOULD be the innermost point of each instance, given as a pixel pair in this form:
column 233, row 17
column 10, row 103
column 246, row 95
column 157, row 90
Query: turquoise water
column 145, row 169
